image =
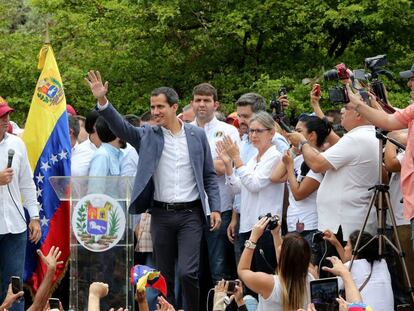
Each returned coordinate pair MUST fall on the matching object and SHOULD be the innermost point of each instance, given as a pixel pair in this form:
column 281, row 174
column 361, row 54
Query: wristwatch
column 249, row 244
column 301, row 144
column 35, row 218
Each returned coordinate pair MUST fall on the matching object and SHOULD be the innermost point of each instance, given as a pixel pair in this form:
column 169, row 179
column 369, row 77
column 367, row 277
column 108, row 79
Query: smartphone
column 16, row 284
column 54, row 303
column 231, row 287
column 317, row 90
column 324, row 293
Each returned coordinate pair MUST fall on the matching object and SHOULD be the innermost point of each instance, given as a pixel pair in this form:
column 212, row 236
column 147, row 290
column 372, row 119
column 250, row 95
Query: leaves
column 238, row 46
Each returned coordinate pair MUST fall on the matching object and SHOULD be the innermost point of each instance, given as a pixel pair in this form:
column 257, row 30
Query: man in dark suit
column 175, row 172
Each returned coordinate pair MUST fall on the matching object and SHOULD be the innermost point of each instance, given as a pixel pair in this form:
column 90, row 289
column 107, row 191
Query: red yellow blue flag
column 47, row 140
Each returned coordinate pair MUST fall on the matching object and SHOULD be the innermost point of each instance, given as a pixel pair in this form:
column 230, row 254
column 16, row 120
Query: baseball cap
column 70, row 110
column 4, row 107
column 407, row 74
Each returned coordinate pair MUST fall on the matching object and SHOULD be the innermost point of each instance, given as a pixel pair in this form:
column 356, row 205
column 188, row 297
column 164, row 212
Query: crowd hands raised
column 326, row 178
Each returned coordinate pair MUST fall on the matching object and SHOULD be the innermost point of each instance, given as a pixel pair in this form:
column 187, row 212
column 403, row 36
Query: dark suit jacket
column 149, row 143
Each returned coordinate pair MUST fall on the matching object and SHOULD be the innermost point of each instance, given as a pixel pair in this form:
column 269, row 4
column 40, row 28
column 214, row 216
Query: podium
column 101, row 238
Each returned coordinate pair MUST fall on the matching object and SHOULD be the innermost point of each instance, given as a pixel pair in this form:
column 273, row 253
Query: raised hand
column 98, row 89
column 258, row 229
column 51, row 260
column 287, row 159
column 222, row 153
column 231, row 148
column 98, row 289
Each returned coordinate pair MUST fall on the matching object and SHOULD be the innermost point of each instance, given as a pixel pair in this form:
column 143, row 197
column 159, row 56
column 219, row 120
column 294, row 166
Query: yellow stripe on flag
column 48, row 104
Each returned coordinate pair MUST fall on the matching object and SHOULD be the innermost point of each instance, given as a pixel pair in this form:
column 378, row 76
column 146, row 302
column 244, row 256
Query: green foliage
column 81, row 219
column 113, row 223
column 238, row 46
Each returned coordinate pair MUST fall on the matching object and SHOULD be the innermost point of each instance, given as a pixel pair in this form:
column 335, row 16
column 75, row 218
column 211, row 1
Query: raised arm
column 116, row 122
column 300, row 190
column 377, row 117
column 44, row 292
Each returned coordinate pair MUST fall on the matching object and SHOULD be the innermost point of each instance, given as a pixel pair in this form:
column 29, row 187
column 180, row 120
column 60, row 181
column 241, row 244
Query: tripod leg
column 355, row 250
column 398, row 249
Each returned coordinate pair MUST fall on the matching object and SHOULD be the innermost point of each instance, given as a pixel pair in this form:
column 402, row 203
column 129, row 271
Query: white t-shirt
column 343, row 196
column 274, row 301
column 215, row 131
column 259, row 195
column 377, row 293
column 129, row 163
column 304, row 210
column 396, row 196
column 81, row 158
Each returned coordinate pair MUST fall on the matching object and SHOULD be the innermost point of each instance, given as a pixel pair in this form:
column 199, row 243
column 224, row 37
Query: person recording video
column 350, row 167
column 399, row 120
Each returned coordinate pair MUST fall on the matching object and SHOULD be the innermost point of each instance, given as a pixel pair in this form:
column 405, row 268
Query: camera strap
column 367, row 279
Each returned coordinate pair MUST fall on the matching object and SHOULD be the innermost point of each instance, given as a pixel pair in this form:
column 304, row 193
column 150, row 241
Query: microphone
column 10, row 158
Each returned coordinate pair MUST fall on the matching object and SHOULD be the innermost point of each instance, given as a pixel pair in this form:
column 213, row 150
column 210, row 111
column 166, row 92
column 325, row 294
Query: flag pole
column 47, row 38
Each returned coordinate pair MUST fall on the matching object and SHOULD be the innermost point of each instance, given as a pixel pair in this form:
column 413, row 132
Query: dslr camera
column 273, row 221
column 277, row 109
column 338, row 94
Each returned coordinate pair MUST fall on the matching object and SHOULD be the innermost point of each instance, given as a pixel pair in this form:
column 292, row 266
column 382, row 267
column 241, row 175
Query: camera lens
column 331, row 75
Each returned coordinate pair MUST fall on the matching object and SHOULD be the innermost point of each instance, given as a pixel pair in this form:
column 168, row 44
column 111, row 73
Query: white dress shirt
column 259, row 195
column 81, row 158
column 215, row 131
column 343, row 195
column 21, row 187
column 129, row 163
column 174, row 179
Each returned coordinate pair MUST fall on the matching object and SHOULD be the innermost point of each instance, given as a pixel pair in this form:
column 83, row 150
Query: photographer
column 289, row 289
column 302, row 216
column 369, row 272
column 350, row 167
column 398, row 120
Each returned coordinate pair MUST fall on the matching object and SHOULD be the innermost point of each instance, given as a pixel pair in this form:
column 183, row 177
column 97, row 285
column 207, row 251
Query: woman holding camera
column 259, row 196
column 303, row 183
column 369, row 271
column 289, row 289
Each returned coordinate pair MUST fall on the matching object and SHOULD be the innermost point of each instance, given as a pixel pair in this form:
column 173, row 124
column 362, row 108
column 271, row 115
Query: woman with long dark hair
column 289, row 289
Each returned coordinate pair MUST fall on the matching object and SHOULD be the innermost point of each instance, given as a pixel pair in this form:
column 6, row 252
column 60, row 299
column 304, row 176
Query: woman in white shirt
column 259, row 196
column 303, row 183
column 369, row 271
column 289, row 289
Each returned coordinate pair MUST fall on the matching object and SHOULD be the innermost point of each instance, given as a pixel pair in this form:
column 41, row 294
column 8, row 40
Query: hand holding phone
column 317, row 90
column 16, row 284
column 324, row 293
column 54, row 303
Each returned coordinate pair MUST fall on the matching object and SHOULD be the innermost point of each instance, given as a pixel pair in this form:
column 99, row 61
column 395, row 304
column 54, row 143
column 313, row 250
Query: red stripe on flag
column 58, row 235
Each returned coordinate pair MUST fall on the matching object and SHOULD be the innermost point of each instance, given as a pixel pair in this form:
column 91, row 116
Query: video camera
column 277, row 109
column 338, row 94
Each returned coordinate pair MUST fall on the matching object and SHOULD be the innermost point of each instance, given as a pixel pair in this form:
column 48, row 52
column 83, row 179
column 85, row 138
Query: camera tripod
column 381, row 193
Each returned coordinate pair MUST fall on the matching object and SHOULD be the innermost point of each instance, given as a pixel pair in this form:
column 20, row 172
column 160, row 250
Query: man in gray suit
column 175, row 172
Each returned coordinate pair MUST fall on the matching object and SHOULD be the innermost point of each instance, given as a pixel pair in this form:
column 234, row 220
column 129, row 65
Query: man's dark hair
column 169, row 93
column 104, row 132
column 133, row 119
column 146, row 116
column 205, row 89
column 254, row 100
column 370, row 249
column 74, row 125
column 90, row 121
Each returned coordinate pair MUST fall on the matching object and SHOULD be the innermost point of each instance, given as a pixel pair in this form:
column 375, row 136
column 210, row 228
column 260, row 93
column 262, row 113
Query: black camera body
column 273, row 221
column 338, row 95
column 276, row 105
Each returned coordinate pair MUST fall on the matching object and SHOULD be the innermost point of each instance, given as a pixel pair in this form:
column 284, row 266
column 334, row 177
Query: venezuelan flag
column 47, row 140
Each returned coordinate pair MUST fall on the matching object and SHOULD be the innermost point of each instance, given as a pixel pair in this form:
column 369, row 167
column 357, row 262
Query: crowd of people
column 224, row 198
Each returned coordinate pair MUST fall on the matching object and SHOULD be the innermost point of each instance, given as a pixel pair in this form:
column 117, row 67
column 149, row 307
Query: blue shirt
column 106, row 161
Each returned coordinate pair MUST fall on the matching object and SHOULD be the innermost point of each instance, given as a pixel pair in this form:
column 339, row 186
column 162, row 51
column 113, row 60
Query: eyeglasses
column 257, row 131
